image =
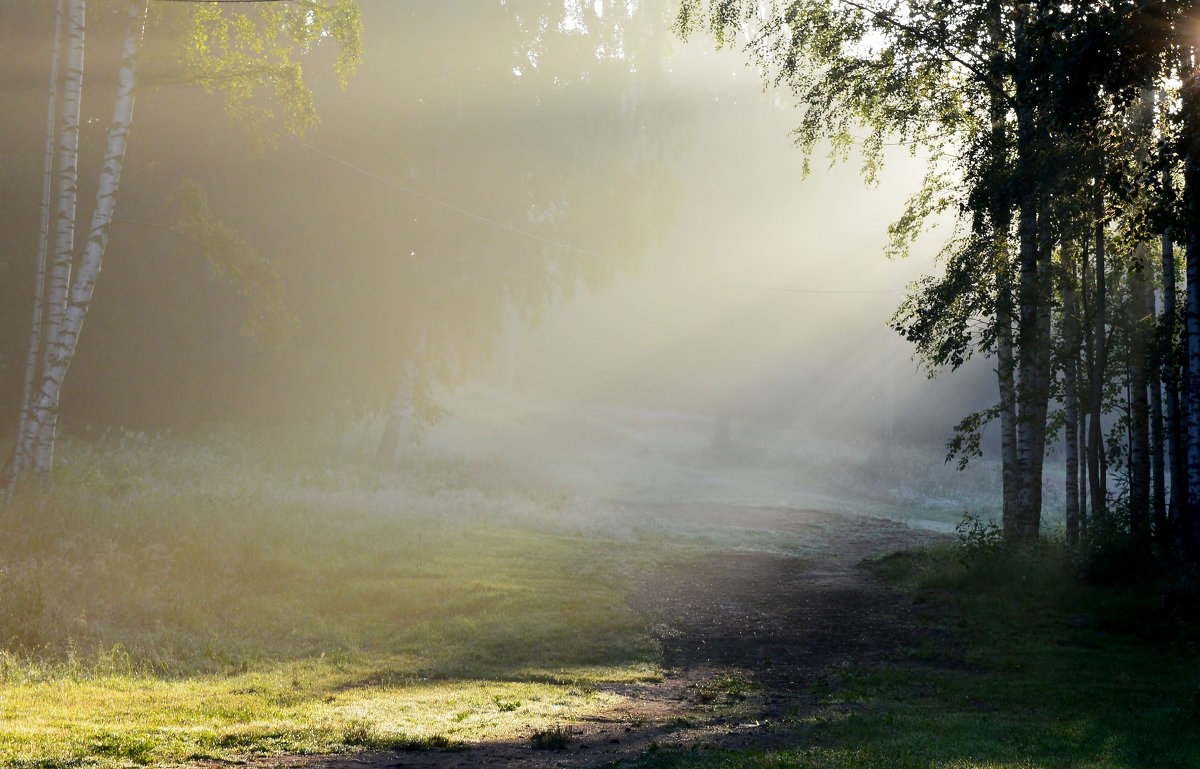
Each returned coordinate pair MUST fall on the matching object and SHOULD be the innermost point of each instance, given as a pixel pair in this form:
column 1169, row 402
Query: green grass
column 1021, row 666
column 171, row 600
column 240, row 594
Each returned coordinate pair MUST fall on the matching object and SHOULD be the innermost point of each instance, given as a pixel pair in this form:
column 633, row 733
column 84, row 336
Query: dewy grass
column 165, row 603
column 287, row 708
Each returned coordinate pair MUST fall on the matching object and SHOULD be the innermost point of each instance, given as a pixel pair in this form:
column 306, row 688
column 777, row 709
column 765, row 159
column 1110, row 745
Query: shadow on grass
column 1042, row 671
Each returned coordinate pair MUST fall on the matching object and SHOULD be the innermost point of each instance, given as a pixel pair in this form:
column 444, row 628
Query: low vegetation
column 217, row 597
column 241, row 594
column 1022, row 664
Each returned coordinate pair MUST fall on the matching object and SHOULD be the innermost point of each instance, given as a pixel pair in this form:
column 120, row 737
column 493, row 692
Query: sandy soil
column 745, row 634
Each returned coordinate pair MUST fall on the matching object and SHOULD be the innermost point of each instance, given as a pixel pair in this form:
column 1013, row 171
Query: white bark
column 20, row 461
column 68, row 189
column 1001, row 226
column 68, row 167
column 1098, row 465
column 1139, row 405
column 60, row 349
column 1071, row 344
column 1170, row 376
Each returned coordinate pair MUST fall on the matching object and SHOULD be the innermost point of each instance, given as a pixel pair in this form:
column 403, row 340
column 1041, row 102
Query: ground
column 747, row 636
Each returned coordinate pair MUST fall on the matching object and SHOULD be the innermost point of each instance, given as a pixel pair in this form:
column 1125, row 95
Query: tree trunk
column 1097, row 465
column 1087, row 368
column 1170, row 370
column 60, row 347
column 1043, row 359
column 1190, row 518
column 1005, row 373
column 37, row 328
column 35, row 434
column 1139, row 405
column 1001, row 220
column 1034, row 235
column 1028, row 429
column 64, row 248
column 1082, row 442
column 1158, row 480
column 1070, row 314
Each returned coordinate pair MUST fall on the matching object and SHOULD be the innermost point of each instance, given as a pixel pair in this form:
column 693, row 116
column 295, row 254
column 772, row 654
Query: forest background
column 621, row 158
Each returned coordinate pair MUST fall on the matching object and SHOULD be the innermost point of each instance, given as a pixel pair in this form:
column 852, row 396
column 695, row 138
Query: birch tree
column 218, row 52
column 69, row 295
column 1022, row 110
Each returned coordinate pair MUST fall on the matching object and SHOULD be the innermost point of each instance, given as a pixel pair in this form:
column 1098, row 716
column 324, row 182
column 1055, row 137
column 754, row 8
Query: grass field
column 171, row 600
column 244, row 593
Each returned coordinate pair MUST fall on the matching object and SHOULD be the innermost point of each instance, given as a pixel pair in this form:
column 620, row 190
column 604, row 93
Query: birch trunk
column 1005, row 372
column 1001, row 220
column 1190, row 518
column 1033, row 294
column 1027, row 427
column 60, row 348
column 1081, row 443
column 1139, row 407
column 1043, row 359
column 34, row 433
column 1170, row 372
column 42, row 444
column 1158, row 481
column 1086, row 368
column 1070, row 312
column 1026, row 322
column 36, row 334
column 1097, row 466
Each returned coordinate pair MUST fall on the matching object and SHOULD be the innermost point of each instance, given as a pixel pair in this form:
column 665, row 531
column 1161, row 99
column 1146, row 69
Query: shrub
column 978, row 539
column 1111, row 556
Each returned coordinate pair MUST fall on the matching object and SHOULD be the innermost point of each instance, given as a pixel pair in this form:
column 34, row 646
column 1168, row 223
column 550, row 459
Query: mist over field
column 588, row 383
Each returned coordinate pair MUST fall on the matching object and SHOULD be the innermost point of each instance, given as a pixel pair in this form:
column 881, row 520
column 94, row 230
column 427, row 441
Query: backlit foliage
column 241, row 54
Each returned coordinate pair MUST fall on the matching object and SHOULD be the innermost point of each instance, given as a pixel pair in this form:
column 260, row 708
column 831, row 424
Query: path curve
column 748, row 637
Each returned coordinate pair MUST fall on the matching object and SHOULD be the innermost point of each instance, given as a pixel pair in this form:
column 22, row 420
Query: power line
column 556, row 243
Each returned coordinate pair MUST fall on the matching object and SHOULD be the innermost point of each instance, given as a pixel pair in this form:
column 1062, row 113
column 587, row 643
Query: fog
column 562, row 205
column 533, row 399
column 753, row 289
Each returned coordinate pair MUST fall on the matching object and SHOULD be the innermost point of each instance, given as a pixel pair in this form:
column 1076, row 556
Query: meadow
column 244, row 592
column 172, row 600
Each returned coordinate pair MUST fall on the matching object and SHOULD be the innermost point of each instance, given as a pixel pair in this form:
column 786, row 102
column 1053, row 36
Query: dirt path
column 745, row 634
